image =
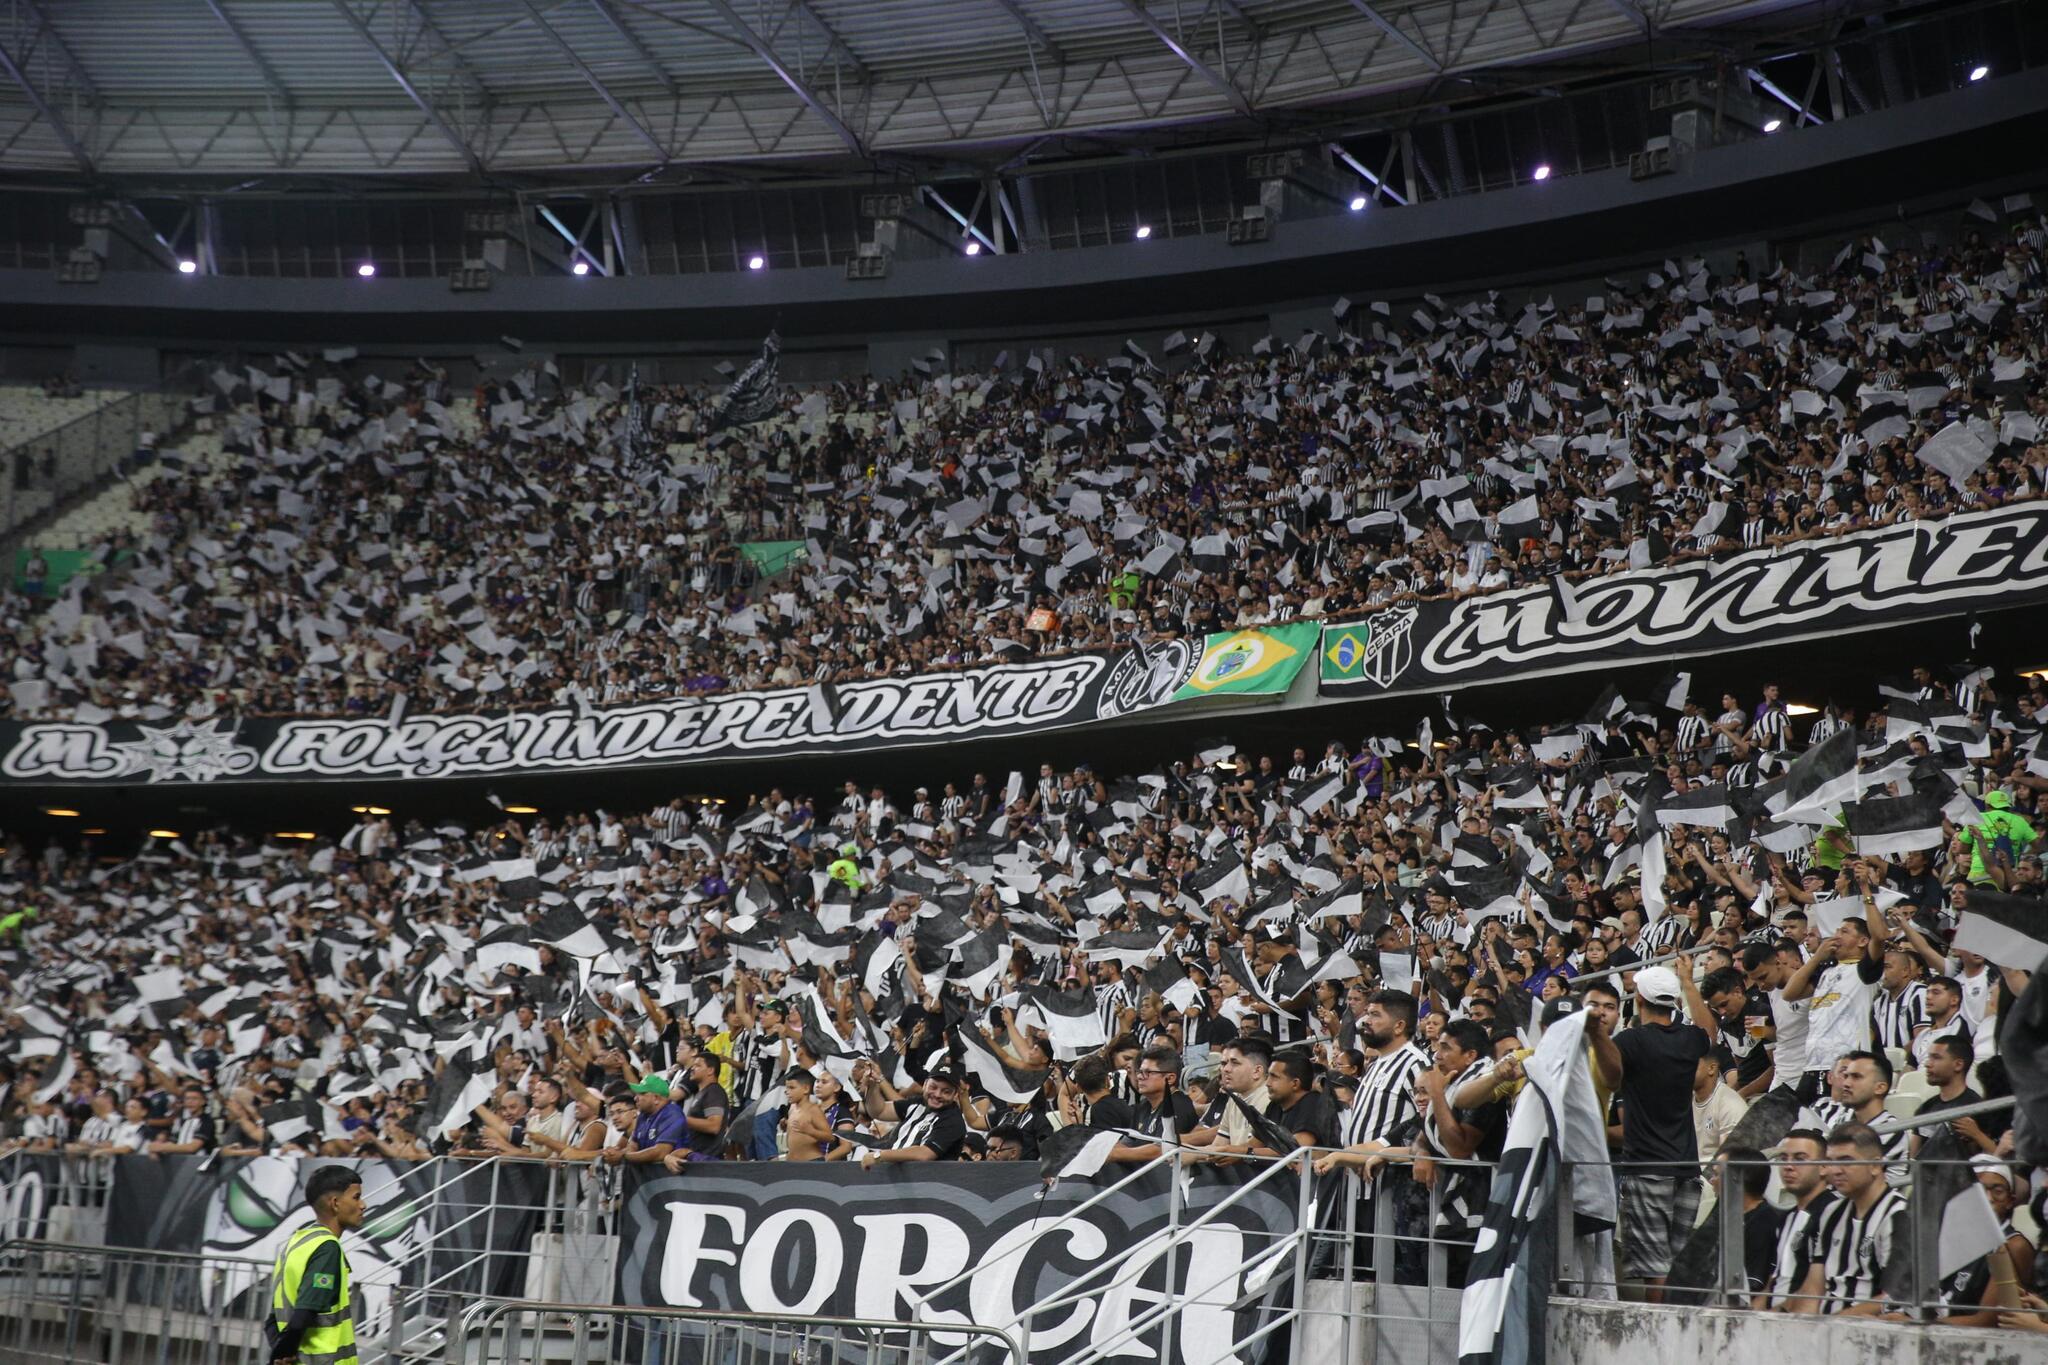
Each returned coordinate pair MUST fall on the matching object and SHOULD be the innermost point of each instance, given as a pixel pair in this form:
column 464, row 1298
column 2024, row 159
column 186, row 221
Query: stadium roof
column 497, row 90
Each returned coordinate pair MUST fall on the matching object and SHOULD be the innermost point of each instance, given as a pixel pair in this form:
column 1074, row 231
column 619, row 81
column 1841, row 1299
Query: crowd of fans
column 368, row 542
column 1347, row 950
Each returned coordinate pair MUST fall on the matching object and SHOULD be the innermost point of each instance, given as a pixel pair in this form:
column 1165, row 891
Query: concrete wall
column 1400, row 1327
column 1615, row 1334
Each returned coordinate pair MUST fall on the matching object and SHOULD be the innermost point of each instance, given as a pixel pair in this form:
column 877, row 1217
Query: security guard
column 310, row 1304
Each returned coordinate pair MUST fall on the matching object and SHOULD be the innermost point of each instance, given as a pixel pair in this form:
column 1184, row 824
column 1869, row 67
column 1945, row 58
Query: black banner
column 1805, row 590
column 475, row 1230
column 984, row 702
column 30, row 1186
column 796, row 1241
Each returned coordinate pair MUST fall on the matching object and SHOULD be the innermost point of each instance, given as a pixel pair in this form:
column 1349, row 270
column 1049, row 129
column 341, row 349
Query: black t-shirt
column 1112, row 1111
column 1658, row 1062
column 1760, row 1229
column 1310, row 1113
column 1172, row 1119
column 1752, row 1058
column 710, row 1102
column 942, row 1130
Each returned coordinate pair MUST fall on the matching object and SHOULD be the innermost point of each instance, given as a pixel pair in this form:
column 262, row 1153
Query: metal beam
column 603, row 91
column 801, row 89
column 47, row 35
column 1392, row 30
column 263, row 67
column 632, row 40
column 425, row 105
column 49, row 115
column 1635, row 12
column 1194, row 63
column 455, row 59
column 1031, row 29
column 832, row 40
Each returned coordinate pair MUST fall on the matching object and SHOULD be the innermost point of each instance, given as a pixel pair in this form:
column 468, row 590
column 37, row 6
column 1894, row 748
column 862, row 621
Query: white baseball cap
column 1657, row 986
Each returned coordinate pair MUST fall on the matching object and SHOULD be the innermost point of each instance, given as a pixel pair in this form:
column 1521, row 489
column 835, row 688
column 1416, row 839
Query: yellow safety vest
column 331, row 1340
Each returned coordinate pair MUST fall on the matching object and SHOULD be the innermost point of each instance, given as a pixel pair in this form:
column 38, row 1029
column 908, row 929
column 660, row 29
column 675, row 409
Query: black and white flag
column 1502, row 1311
column 1885, row 827
column 2007, row 931
column 1010, row 1084
column 755, row 394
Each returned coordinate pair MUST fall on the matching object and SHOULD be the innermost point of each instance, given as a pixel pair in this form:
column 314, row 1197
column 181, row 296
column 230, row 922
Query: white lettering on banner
column 757, row 1263
column 900, row 1255
column 1956, row 561
column 884, row 1283
column 686, row 1247
column 992, row 1293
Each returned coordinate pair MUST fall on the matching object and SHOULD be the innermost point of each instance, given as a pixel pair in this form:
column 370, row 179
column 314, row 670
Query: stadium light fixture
column 1541, row 172
column 96, row 829
column 1144, row 231
column 366, row 269
column 1358, row 203
column 973, row 248
column 1773, row 125
column 1978, row 73
column 580, row 268
column 61, row 812
column 294, row 834
column 188, row 267
column 522, row 810
column 371, row 810
column 163, row 834
column 757, row 263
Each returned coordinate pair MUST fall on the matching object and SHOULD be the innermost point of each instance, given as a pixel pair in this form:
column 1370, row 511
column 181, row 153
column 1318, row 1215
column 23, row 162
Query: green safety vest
column 331, row 1340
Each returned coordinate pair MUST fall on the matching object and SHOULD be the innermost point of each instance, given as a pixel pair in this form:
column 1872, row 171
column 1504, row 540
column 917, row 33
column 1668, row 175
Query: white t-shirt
column 1839, row 1020
column 1976, row 995
column 1788, row 1054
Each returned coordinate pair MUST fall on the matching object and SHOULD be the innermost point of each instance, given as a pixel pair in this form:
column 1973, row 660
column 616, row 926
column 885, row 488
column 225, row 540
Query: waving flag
column 755, row 393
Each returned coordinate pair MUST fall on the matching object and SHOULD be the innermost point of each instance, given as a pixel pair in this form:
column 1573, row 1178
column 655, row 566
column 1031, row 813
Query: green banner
column 1262, row 660
column 58, row 568
column 771, row 557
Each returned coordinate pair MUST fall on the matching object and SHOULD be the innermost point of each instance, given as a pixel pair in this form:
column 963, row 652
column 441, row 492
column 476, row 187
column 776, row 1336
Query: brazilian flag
column 1264, row 660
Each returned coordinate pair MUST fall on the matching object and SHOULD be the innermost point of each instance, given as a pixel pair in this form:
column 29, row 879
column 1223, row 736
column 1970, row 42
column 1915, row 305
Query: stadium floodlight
column 973, row 248
column 1144, row 231
column 1541, row 172
column 1978, row 73
column 1773, row 125
column 1358, row 203
column 366, row 269
column 757, row 263
column 580, row 268
column 188, row 267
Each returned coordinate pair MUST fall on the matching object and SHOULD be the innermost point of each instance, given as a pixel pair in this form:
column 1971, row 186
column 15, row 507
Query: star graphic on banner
column 186, row 752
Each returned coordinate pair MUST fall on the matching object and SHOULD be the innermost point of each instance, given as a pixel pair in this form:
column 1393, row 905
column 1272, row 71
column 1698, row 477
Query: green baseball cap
column 651, row 1085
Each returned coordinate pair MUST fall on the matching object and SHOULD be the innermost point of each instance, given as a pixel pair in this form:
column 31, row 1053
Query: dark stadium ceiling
column 448, row 94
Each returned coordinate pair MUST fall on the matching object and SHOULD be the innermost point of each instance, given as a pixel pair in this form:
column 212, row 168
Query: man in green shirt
column 1996, row 841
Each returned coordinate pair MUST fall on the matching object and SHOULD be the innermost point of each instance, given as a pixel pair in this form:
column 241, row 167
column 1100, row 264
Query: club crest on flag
column 1388, row 650
column 1237, row 659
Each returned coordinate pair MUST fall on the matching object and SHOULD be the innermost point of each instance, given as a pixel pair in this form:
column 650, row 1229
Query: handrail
column 1067, row 1295
column 78, row 1248
column 719, row 1316
column 924, row 1300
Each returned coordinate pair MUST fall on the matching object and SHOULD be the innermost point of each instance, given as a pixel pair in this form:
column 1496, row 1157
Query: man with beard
column 1381, row 1116
column 1801, row 1175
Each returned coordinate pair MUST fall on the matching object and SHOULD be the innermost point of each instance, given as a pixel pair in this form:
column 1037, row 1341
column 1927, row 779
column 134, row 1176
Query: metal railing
column 514, row 1333
column 85, row 452
column 72, row 1302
